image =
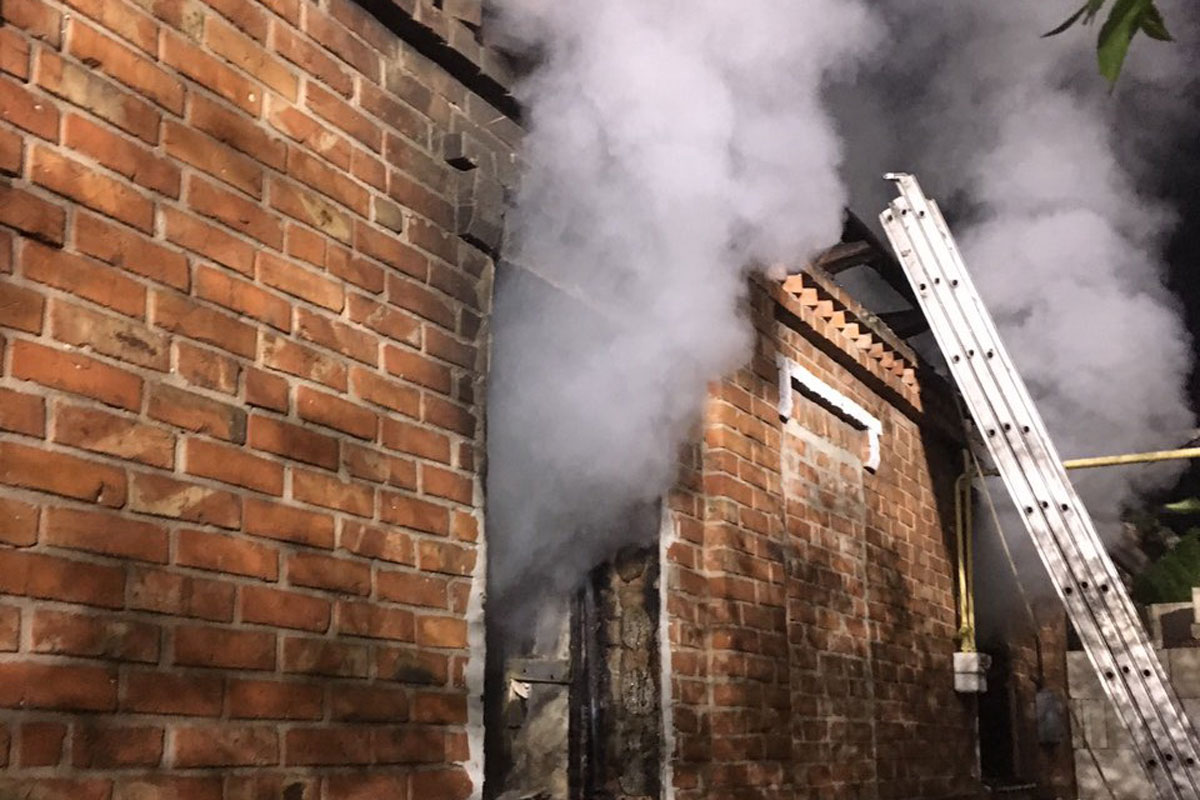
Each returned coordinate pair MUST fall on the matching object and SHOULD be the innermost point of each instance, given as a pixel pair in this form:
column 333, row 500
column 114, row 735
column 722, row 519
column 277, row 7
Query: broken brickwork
column 246, row 271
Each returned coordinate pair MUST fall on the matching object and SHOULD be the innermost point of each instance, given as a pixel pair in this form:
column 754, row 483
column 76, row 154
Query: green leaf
column 1124, row 20
column 1071, row 20
column 1154, row 26
column 1189, row 506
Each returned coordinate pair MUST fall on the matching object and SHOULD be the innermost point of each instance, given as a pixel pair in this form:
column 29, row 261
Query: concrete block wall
column 810, row 605
column 1106, row 765
column 242, row 349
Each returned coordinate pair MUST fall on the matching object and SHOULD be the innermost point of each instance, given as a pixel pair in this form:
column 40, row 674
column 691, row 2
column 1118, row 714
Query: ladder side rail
column 1059, row 560
column 1080, row 528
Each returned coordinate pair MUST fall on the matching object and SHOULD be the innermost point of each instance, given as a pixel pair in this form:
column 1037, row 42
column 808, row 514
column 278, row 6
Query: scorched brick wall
column 244, row 286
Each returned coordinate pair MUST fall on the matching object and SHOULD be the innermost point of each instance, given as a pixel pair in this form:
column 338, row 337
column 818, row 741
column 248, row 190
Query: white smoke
column 672, row 144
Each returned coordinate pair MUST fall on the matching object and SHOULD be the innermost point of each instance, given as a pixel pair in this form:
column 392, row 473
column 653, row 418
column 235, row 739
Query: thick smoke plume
column 673, row 144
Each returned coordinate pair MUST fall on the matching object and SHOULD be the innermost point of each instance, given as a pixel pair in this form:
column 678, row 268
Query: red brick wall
column 242, row 340
column 811, row 611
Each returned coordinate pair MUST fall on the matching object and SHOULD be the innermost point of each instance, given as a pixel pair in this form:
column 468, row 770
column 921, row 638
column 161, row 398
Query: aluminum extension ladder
column 1061, row 529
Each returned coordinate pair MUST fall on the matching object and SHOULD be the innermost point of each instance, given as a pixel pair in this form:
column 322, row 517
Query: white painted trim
column 790, row 371
column 476, row 659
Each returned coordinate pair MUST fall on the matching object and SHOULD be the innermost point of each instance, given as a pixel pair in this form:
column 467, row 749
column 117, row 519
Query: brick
column 182, row 316
column 388, row 248
column 237, row 131
column 464, row 527
column 293, row 441
column 388, row 214
column 328, row 492
column 297, row 281
column 369, row 169
column 288, row 524
column 207, row 369
column 83, row 277
column 116, row 337
column 122, row 155
column 18, row 522
column 210, row 73
column 445, row 784
column 363, row 25
column 328, row 107
column 314, row 135
column 22, row 413
column 435, row 239
column 375, row 621
column 303, row 362
column 224, row 647
column 266, row 390
column 324, row 572
column 180, row 595
column 386, row 544
column 76, row 374
column 10, row 639
column 184, row 15
column 274, row 700
column 449, row 632
column 328, row 746
column 47, row 788
column 449, row 485
column 416, row 666
column 332, row 183
column 417, row 368
column 119, row 62
column 166, row 786
column 366, row 787
column 247, row 16
column 92, row 93
column 200, row 237
column 37, row 18
column 399, row 116
column 56, row 687
column 305, row 245
column 130, row 251
column 61, row 474
column 243, row 297
column 110, row 747
column 12, row 154
column 420, row 300
column 262, row 785
column 307, row 207
column 119, row 18
column 105, row 534
column 108, row 637
column 233, row 210
column 339, row 41
column 225, row 746
column 334, row 412
column 409, row 745
column 156, row 692
column 190, row 146
column 415, row 197
column 412, row 588
column 312, row 60
column 250, row 56
column 161, row 496
column 344, row 339
column 379, row 467
column 414, row 513
column 31, row 214
column 444, row 557
column 25, row 110
column 414, row 440
column 382, row 391
column 90, row 188
column 357, row 270
column 231, row 554
column 41, row 744
column 102, row 432
column 282, row 609
column 350, row 703
column 325, row 657
column 196, row 413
